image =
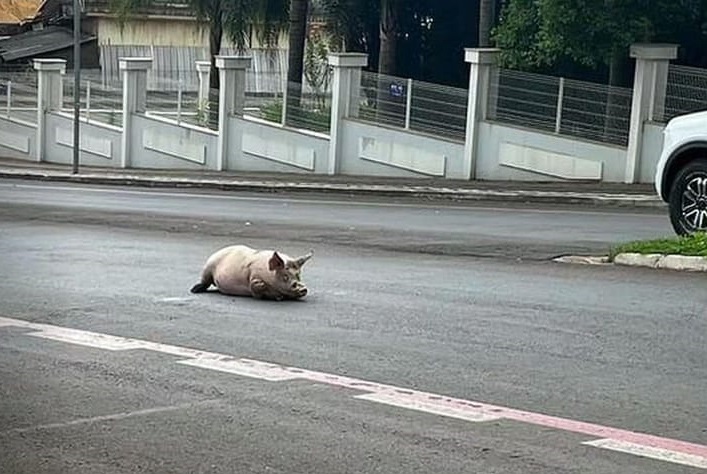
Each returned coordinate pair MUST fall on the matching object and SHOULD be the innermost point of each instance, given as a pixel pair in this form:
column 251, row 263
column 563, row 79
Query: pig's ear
column 275, row 262
column 303, row 259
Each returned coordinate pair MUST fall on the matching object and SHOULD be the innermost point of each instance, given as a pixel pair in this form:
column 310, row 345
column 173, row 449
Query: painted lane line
column 176, row 299
column 373, row 391
column 243, row 367
column 647, row 452
column 427, row 406
column 113, row 417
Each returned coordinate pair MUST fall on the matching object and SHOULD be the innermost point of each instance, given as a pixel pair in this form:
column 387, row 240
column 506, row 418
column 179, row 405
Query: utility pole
column 77, row 82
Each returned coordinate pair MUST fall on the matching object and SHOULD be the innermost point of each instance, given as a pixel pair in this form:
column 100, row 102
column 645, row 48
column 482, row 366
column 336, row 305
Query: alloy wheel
column 694, row 204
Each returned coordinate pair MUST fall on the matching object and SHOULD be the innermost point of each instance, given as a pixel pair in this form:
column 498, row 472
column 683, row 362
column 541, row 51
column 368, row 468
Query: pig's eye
column 286, row 277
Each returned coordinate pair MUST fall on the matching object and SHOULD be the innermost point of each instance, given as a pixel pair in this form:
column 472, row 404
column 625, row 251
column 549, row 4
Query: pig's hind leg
column 206, row 281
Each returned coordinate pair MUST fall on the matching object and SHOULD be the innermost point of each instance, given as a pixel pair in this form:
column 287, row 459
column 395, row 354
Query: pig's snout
column 299, row 289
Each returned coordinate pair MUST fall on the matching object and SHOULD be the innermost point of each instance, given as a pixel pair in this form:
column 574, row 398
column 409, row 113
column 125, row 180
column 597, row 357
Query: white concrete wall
column 372, row 150
column 17, row 139
column 511, row 153
column 255, row 145
column 163, row 144
column 100, row 143
column 650, row 151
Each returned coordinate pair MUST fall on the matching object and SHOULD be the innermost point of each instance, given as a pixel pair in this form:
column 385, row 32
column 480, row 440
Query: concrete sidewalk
column 588, row 193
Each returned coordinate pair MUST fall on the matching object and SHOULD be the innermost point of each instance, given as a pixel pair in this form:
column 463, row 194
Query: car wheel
column 688, row 199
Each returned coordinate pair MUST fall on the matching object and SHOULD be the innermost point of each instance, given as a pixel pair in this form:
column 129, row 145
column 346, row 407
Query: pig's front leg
column 260, row 290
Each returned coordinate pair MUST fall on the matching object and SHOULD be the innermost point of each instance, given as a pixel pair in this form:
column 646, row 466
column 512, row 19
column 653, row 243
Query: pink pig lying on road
column 239, row 270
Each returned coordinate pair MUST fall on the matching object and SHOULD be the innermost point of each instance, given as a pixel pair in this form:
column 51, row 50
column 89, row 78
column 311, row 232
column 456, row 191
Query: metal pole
column 560, row 98
column 283, row 116
column 9, row 97
column 88, row 100
column 179, row 102
column 77, row 82
column 408, row 105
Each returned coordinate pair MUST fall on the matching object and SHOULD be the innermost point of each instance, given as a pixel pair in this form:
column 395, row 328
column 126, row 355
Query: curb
column 456, row 194
column 684, row 263
column 669, row 262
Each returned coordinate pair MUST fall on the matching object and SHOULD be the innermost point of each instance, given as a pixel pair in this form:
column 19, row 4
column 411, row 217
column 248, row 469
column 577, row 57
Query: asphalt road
column 617, row 347
column 509, row 231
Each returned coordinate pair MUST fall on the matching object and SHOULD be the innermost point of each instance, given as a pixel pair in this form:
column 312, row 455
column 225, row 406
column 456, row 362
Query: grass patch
column 317, row 121
column 694, row 245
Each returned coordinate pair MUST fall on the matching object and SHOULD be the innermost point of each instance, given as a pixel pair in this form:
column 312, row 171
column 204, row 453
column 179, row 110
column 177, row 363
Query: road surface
column 448, row 357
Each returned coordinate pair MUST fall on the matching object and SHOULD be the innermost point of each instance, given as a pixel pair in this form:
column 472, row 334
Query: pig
column 239, row 270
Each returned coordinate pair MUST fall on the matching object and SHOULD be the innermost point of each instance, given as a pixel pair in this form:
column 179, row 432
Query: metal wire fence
column 306, row 108
column 686, row 92
column 98, row 102
column 413, row 105
column 579, row 109
column 18, row 93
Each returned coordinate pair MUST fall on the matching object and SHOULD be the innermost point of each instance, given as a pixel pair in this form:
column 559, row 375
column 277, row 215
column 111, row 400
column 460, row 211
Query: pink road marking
column 564, row 424
column 414, row 399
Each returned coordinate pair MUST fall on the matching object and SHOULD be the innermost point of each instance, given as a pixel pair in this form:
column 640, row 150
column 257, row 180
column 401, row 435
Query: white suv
column 681, row 174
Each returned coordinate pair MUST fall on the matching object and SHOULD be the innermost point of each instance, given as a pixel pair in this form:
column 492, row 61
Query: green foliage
column 272, row 111
column 202, row 112
column 317, row 71
column 518, row 35
column 695, row 245
column 352, row 22
column 266, row 18
column 315, row 120
column 534, row 33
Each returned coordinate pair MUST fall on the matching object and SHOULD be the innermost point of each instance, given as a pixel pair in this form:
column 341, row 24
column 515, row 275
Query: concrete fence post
column 203, row 69
column 134, row 72
column 648, row 101
column 50, row 97
column 232, row 74
column 345, row 102
column 481, row 61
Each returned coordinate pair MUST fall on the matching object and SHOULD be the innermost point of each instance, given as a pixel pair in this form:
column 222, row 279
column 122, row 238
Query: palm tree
column 389, row 30
column 486, row 21
column 295, row 60
column 235, row 18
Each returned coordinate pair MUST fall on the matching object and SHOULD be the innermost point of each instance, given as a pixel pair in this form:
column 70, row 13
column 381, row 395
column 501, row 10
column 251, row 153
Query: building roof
column 19, row 11
column 38, row 42
column 172, row 8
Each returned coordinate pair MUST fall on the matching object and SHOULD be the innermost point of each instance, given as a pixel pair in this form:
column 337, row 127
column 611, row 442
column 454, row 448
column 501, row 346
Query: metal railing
column 306, row 108
column 686, row 92
column 580, row 109
column 413, row 105
column 18, row 94
column 98, row 102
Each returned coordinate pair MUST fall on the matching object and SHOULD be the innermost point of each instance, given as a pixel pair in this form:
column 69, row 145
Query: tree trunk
column 486, row 20
column 215, row 36
column 295, row 59
column 388, row 37
column 387, row 54
column 612, row 119
column 214, row 48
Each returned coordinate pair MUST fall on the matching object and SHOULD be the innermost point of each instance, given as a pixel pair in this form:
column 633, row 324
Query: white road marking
column 113, row 417
column 429, row 406
column 176, row 299
column 243, row 367
column 333, row 202
column 650, row 452
column 640, row 444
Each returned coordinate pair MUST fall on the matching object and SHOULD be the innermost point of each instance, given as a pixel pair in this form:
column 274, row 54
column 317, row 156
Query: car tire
column 688, row 199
